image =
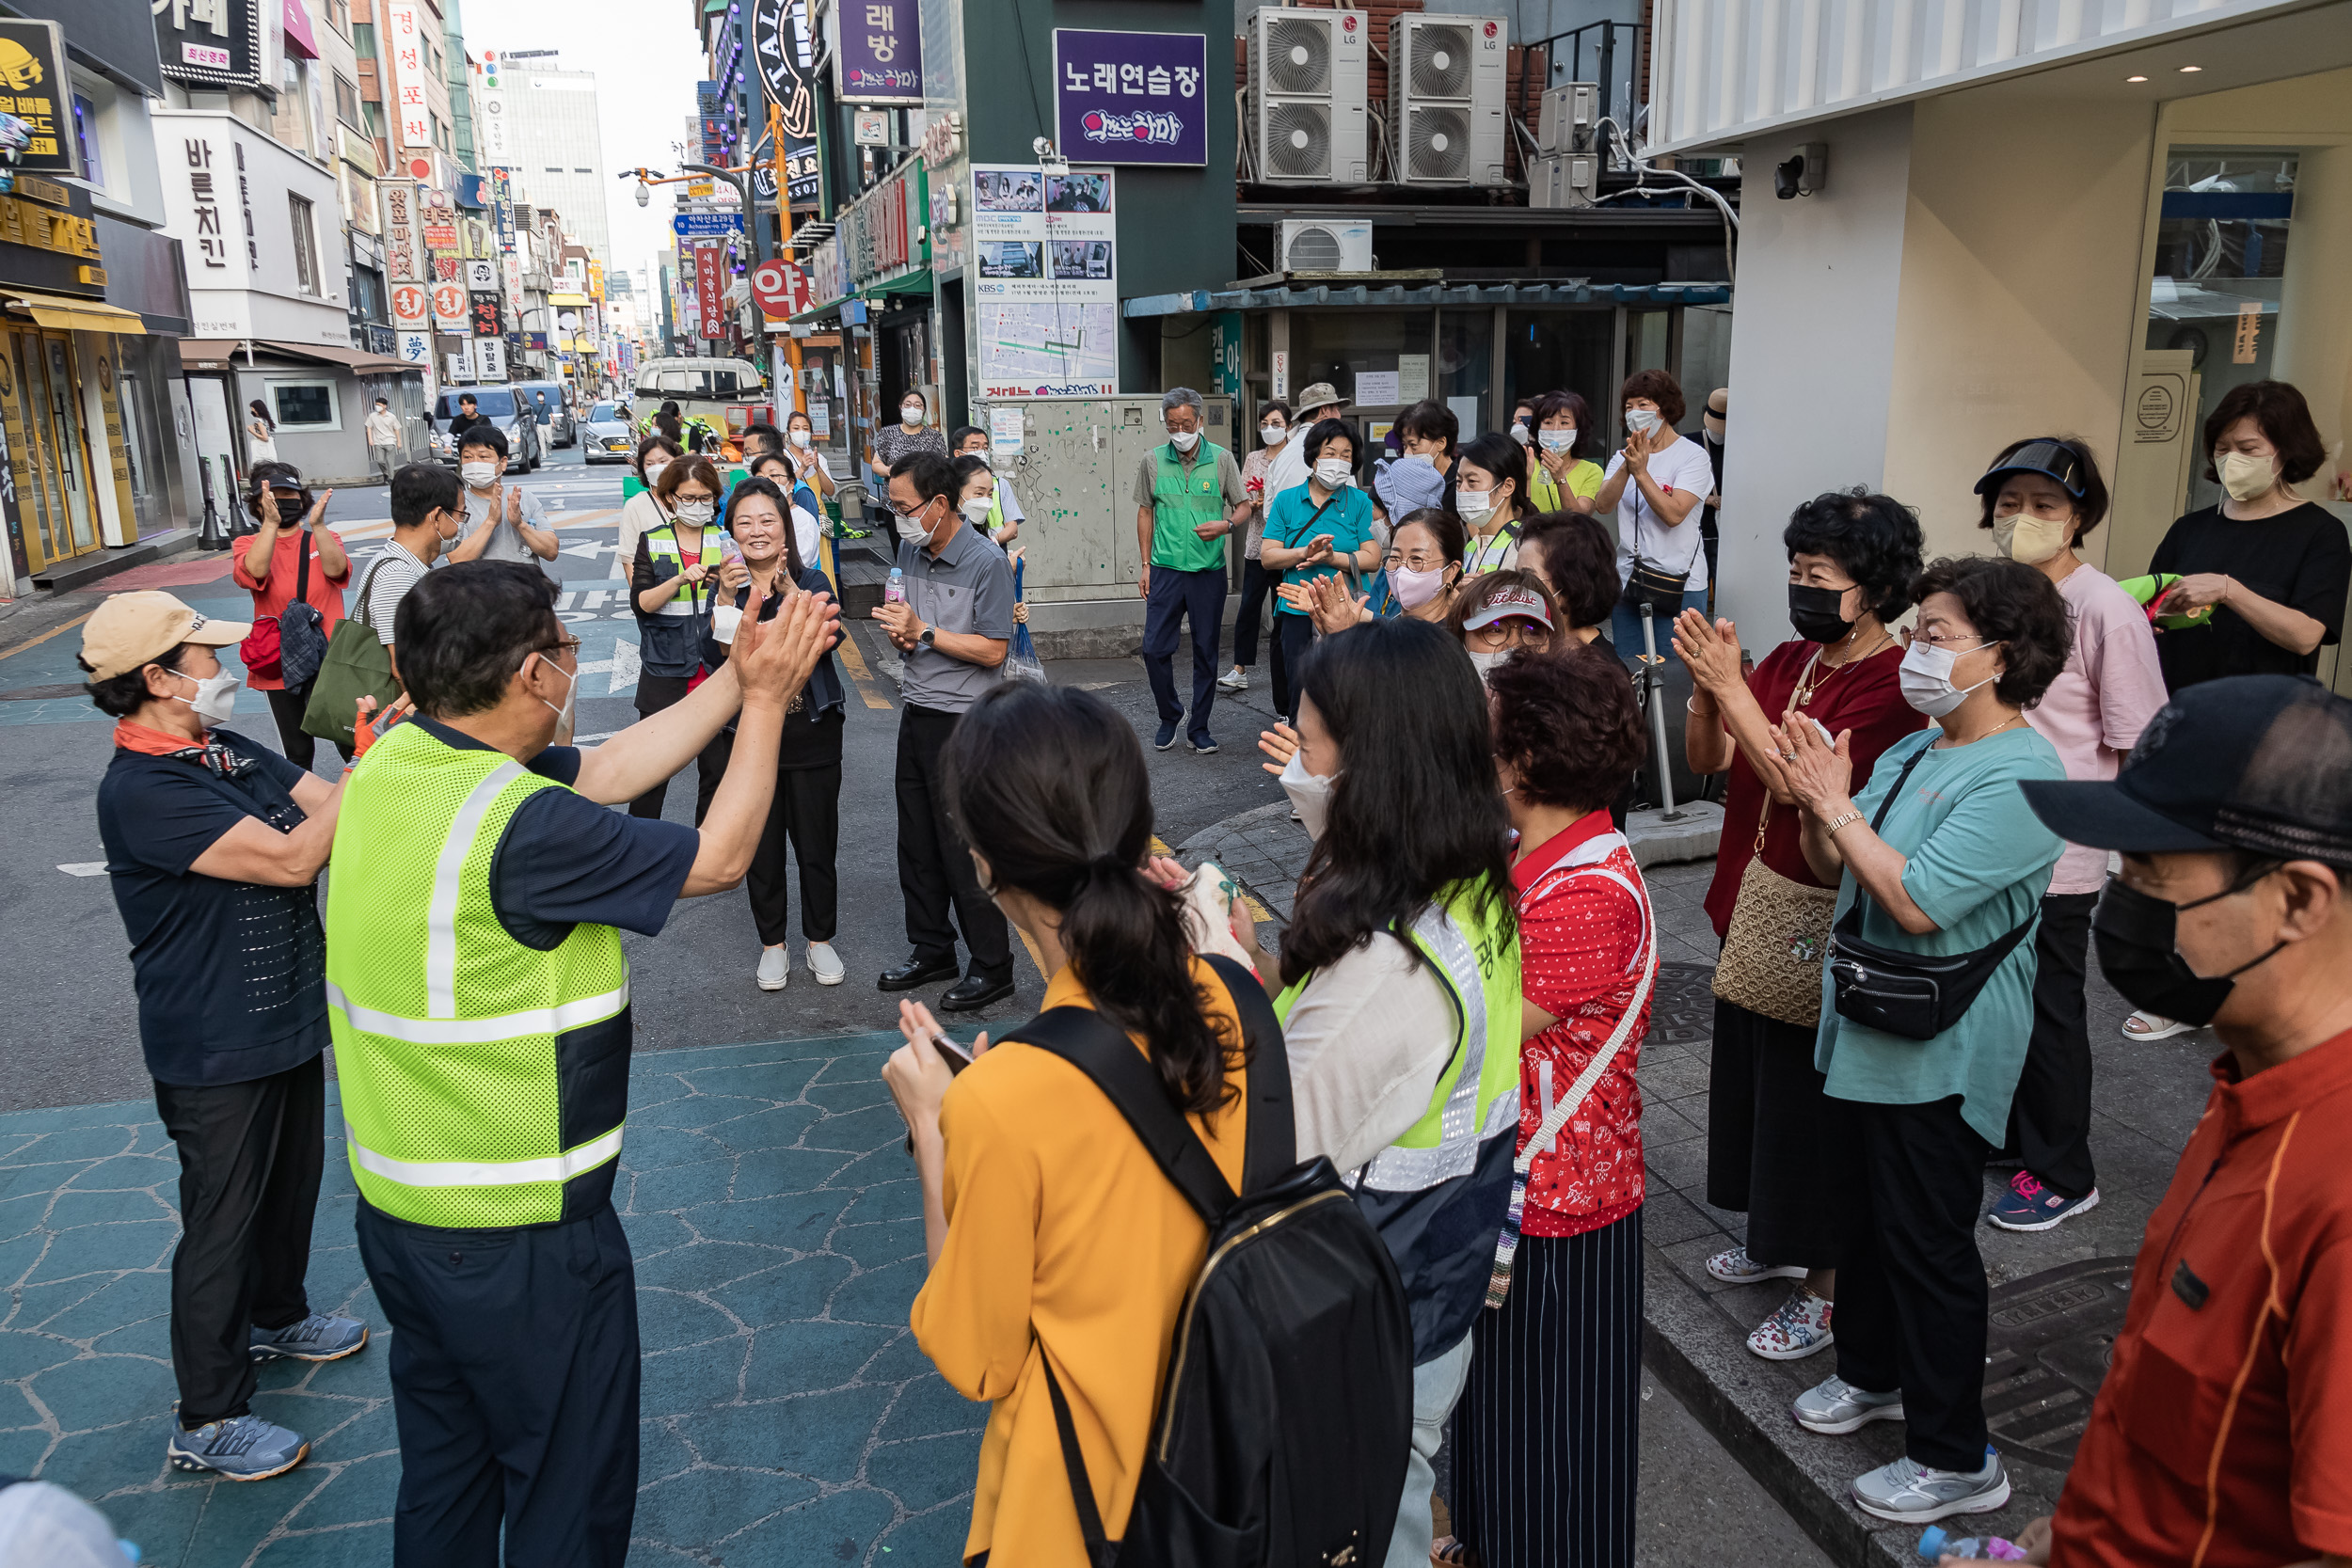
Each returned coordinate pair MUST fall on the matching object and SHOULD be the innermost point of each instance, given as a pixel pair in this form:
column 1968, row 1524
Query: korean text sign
column 1132, row 98
column 34, row 87
column 881, row 57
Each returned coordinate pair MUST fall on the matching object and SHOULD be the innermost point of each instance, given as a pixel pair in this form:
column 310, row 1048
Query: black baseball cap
column 2054, row 458
column 2261, row 762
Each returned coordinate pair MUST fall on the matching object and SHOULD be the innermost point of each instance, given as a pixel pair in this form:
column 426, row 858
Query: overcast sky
column 646, row 60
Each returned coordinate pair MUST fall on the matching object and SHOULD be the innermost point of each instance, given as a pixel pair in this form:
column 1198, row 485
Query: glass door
column 58, row 397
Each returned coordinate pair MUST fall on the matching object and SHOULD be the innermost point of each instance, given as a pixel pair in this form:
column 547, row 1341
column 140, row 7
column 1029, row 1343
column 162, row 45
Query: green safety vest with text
column 1181, row 499
column 670, row 639
column 1438, row 1195
column 483, row 1083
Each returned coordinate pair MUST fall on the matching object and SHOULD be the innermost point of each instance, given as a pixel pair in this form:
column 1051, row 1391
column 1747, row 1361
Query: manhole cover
column 1682, row 1004
column 2051, row 1336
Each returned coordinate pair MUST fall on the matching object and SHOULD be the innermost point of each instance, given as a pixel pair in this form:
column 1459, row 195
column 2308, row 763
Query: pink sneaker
column 1799, row 1328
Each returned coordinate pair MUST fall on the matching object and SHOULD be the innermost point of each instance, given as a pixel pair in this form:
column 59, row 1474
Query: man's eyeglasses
column 561, row 646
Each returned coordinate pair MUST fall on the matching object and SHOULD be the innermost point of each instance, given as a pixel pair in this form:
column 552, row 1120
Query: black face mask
column 1814, row 612
column 2137, row 933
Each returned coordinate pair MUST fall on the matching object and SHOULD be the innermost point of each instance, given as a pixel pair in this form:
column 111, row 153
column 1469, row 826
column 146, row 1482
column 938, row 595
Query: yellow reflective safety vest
column 483, row 1083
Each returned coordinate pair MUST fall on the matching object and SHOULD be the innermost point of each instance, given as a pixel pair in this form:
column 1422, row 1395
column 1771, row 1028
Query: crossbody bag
column 1650, row 584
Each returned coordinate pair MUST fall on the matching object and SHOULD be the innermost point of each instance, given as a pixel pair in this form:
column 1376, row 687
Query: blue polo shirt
column 1294, row 518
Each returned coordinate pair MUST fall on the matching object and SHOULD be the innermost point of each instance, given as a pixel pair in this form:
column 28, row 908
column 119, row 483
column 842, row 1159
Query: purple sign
column 1130, row 98
column 880, row 56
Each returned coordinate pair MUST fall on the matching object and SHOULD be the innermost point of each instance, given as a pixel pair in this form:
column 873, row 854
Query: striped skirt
column 1546, row 1438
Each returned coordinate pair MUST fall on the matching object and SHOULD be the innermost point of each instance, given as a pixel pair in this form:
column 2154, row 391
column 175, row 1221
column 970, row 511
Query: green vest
column 483, row 1083
column 1183, row 499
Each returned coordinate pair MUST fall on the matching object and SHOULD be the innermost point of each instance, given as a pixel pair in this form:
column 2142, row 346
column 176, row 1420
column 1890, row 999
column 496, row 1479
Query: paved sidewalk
column 788, row 1415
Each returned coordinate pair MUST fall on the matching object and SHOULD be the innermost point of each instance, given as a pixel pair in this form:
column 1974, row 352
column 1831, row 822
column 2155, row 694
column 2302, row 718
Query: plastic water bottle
column 1934, row 1544
column 895, row 590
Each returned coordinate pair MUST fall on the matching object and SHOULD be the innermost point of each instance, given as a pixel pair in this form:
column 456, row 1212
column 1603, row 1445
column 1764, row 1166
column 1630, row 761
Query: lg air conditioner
column 1308, row 87
column 1447, row 78
column 1311, row 244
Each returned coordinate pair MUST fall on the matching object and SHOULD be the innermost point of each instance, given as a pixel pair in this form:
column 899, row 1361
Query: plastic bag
column 1021, row 661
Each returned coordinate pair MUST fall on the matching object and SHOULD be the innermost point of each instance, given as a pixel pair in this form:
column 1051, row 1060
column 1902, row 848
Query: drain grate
column 2052, row 1335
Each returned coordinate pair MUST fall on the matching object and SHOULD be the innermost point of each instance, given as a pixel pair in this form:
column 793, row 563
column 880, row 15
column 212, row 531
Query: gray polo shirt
column 506, row 544
column 968, row 588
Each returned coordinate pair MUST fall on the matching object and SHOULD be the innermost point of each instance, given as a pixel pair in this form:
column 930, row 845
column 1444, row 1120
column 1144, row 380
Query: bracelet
column 1831, row 830
column 1690, row 707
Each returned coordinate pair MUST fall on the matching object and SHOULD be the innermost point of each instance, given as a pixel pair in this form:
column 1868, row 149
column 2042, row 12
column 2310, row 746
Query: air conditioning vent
column 1437, row 145
column 1314, row 248
column 1297, row 141
column 1441, row 63
column 1310, row 244
column 1299, row 56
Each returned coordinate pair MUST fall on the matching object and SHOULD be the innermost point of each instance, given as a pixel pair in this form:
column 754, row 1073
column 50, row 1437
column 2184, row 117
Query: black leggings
column 300, row 745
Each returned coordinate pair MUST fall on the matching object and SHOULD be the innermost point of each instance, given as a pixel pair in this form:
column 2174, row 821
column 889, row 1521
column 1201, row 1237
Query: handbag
column 1770, row 963
column 263, row 651
column 1915, row 995
column 1647, row 584
column 356, row 666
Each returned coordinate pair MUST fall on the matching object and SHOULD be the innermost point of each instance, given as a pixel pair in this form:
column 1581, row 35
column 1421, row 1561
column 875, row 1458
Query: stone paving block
column 707, row 1265
column 807, row 1357
column 922, row 1473
column 102, row 1390
column 836, row 1529
column 652, row 1146
column 694, row 1111
column 330, row 1548
column 928, row 1409
column 22, row 1214
column 874, row 1246
column 879, row 1295
column 886, row 1200
column 696, row 1510
column 788, row 1293
column 20, row 1451
column 769, row 1172
column 693, row 1376
column 937, row 1536
column 361, row 1492
column 798, row 1220
column 822, row 1436
column 650, row 1235
column 108, row 1248
column 667, row 1320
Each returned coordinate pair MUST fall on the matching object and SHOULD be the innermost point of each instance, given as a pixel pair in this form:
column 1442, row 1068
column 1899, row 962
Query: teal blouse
column 1980, row 861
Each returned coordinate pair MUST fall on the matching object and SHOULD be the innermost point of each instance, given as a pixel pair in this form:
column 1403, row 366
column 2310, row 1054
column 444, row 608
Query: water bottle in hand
column 1934, row 1545
column 895, row 590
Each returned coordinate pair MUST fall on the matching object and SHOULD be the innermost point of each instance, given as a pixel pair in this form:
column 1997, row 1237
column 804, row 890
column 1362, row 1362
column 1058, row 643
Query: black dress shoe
column 973, row 992
column 917, row 972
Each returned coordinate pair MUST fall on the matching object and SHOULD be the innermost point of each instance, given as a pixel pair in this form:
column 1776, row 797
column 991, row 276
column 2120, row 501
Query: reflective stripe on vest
column 661, row 546
column 482, row 1173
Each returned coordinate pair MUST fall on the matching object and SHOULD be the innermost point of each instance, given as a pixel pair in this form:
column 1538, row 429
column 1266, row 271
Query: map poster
column 1046, row 291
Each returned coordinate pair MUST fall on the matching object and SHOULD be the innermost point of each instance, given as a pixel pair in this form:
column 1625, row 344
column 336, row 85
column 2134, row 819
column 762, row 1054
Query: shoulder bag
column 356, row 666
column 1650, row 584
column 1915, row 995
column 1772, row 959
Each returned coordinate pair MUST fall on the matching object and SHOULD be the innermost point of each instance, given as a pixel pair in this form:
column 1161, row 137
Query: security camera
column 1804, row 174
column 644, row 197
column 1048, row 159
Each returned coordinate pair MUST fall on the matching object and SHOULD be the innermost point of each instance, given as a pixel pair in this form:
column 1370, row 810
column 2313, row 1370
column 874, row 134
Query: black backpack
column 1286, row 1415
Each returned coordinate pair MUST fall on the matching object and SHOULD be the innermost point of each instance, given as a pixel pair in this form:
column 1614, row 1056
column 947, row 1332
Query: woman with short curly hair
column 1938, row 857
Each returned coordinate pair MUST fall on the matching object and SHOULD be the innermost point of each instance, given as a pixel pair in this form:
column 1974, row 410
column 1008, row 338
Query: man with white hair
column 1188, row 496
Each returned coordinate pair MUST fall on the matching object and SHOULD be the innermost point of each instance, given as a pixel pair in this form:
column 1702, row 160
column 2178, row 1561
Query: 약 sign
column 1130, row 98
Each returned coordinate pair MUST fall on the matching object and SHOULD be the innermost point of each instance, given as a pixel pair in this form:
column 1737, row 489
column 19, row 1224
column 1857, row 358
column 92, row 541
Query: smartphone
column 958, row 1056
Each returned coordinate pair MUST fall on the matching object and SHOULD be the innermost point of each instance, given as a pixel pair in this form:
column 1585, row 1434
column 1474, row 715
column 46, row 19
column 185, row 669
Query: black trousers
column 1547, row 1437
column 654, row 694
column 2049, row 1120
column 1292, row 636
column 934, row 866
column 1197, row 597
column 1911, row 1298
column 514, row 1364
column 249, row 1160
column 808, row 811
column 300, row 745
column 1768, row 1144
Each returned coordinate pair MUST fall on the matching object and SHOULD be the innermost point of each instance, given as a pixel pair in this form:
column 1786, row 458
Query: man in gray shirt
column 514, row 522
column 953, row 631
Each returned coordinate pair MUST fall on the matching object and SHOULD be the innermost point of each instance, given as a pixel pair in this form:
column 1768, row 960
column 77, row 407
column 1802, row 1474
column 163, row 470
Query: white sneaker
column 824, row 964
column 1799, row 1329
column 775, row 968
column 1737, row 1268
column 1236, row 679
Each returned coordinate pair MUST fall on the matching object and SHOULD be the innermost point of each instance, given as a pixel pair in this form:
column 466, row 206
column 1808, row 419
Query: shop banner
column 1130, row 98
column 211, row 43
column 502, row 208
column 880, row 59
column 1046, row 281
column 32, row 68
column 412, row 307
column 449, row 307
column 487, row 313
column 711, row 286
column 783, row 54
column 404, row 45
column 489, row 356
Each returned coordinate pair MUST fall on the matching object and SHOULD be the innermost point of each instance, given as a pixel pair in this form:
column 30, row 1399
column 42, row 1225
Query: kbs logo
column 1165, row 130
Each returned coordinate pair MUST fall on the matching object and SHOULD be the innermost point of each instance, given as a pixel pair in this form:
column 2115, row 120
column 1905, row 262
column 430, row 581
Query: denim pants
column 1436, row 1387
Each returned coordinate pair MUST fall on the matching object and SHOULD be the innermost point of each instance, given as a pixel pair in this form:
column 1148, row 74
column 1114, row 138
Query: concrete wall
column 1813, row 347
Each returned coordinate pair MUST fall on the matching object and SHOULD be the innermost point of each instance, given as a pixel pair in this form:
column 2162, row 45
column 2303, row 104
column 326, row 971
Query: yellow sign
column 20, row 223
column 94, row 277
column 702, row 188
column 44, row 190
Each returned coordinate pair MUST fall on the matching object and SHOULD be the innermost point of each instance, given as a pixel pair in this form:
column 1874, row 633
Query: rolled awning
column 65, row 314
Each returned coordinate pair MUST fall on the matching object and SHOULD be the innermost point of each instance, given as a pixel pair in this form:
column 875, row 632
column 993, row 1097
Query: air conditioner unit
column 1309, row 245
column 1568, row 117
column 1446, row 93
column 1309, row 81
column 1563, row 179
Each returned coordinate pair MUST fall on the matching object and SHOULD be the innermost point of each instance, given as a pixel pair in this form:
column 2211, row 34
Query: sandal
column 1451, row 1552
column 2145, row 1025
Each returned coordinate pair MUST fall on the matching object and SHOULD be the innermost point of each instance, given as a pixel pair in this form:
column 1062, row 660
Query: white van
column 730, row 393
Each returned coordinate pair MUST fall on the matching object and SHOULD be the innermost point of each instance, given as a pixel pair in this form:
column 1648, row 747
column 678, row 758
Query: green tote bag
column 356, row 666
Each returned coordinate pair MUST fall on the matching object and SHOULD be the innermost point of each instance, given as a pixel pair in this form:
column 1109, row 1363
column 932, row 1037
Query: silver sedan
column 604, row 436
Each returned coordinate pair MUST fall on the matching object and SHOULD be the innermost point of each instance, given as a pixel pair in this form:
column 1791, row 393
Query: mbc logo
column 1144, row 126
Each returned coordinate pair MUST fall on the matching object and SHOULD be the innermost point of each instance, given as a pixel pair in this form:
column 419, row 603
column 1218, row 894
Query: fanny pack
column 1912, row 994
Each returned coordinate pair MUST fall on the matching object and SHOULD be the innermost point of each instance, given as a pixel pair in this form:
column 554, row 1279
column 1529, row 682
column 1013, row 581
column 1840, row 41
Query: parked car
column 555, row 413
column 524, row 450
column 606, row 436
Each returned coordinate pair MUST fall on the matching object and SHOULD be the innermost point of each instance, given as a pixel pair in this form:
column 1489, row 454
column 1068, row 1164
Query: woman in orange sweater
column 1051, row 1232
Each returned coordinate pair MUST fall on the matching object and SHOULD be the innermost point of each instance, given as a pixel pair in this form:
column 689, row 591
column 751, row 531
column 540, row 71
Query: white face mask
column 215, row 699
column 1334, row 472
column 2031, row 539
column 1184, row 440
column 1925, row 679
column 2247, row 477
column 1641, row 420
column 1274, row 435
column 1518, row 434
column 799, row 439
column 910, row 414
column 479, row 475
column 1310, row 793
column 975, row 508
column 908, row 521
column 1471, row 506
column 697, row 513
column 1484, row 662
column 565, row 715
column 653, row 474
column 1556, row 440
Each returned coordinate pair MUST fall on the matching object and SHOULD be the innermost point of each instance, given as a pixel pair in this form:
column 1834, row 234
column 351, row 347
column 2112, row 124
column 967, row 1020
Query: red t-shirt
column 272, row 594
column 1861, row 697
column 1583, row 915
column 2228, row 1402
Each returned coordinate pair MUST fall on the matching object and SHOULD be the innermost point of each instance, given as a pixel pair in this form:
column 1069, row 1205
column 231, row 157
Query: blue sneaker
column 2030, row 1206
column 1166, row 736
column 242, row 1448
column 316, row 1337
column 1204, row 743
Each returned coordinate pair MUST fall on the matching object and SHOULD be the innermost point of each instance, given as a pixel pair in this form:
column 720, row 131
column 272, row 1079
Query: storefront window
column 1465, row 353
column 1551, row 350
column 1379, row 360
column 306, row 404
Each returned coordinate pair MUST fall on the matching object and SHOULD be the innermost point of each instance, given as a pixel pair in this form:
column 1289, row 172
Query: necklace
column 1807, row 687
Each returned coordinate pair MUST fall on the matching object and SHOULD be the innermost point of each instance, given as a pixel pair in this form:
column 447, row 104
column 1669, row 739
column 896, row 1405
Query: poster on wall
column 1046, row 291
column 1130, row 98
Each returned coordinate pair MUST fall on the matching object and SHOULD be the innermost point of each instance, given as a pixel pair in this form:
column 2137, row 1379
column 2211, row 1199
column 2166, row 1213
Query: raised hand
column 772, row 659
column 1281, row 744
column 1711, row 652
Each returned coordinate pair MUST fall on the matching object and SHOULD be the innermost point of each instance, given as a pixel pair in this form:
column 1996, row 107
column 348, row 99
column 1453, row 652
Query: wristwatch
column 930, row 638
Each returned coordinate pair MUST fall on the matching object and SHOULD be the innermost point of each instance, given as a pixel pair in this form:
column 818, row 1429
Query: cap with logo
column 1521, row 602
column 2260, row 763
column 2052, row 459
column 132, row 629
